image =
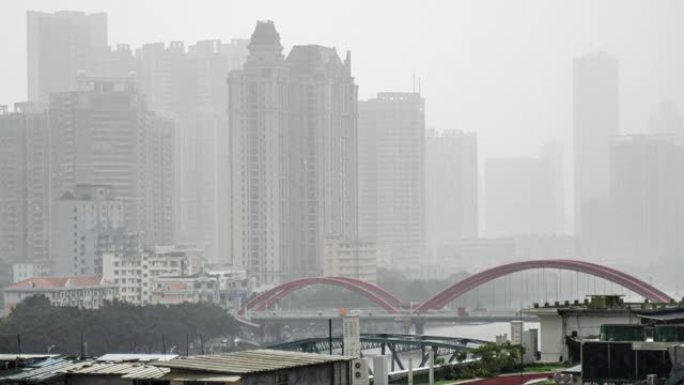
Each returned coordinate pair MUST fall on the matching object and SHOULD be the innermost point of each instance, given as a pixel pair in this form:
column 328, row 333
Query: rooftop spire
column 265, row 34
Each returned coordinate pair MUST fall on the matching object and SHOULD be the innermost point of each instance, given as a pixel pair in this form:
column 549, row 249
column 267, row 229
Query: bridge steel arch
column 375, row 294
column 634, row 284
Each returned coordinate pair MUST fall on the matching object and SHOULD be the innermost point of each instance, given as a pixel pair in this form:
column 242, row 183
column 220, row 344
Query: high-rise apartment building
column 80, row 219
column 24, row 184
column 392, row 174
column 60, row 45
column 595, row 123
column 647, row 196
column 293, row 156
column 451, row 185
column 189, row 86
column 103, row 134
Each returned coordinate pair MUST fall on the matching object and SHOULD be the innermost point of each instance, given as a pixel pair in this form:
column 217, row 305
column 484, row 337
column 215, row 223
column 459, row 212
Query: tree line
column 35, row 326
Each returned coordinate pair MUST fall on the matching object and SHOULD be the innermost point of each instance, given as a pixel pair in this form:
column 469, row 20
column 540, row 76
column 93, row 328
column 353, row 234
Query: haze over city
column 378, row 181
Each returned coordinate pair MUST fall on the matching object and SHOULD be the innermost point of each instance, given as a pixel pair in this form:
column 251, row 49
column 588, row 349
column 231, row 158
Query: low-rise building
column 176, row 290
column 134, row 272
column 350, row 259
column 88, row 292
column 234, row 285
column 26, row 270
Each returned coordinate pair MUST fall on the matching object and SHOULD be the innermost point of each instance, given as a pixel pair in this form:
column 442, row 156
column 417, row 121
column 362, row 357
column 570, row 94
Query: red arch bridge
column 393, row 305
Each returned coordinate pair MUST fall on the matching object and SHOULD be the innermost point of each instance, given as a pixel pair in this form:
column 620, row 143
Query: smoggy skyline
column 503, row 70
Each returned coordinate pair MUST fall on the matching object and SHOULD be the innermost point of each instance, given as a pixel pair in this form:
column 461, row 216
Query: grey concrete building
column 292, row 129
column 103, row 134
column 392, row 175
column 646, row 193
column 80, row 219
column 451, row 183
column 24, row 183
column 595, row 123
column 60, row 45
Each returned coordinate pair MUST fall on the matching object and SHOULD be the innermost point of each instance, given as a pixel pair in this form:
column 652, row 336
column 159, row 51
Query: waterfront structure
column 24, row 183
column 392, row 175
column 60, row 46
column 595, row 123
column 79, row 219
column 88, row 292
column 103, row 134
column 350, row 259
column 292, row 125
column 135, row 272
column 451, row 187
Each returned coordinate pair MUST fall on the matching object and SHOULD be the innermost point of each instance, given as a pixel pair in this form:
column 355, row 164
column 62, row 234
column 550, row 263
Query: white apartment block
column 350, row 259
column 134, row 273
column 88, row 292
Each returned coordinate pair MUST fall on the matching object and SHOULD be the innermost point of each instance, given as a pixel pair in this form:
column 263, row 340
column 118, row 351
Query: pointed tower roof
column 265, row 34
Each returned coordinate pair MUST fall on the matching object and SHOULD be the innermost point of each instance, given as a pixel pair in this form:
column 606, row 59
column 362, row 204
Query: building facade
column 60, row 46
column 350, row 259
column 103, row 134
column 292, row 125
column 79, row 219
column 646, row 196
column 451, row 187
column 89, row 292
column 595, row 123
column 135, row 272
column 24, row 184
column 392, row 175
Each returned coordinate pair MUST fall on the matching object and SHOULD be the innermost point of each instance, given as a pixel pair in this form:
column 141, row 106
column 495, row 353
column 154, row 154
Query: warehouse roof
column 128, row 370
column 250, row 361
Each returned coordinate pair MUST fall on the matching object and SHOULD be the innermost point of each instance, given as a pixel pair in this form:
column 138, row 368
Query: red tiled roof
column 56, row 282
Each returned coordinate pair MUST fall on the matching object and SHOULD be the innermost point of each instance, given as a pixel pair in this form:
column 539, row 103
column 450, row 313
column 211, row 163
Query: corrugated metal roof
column 250, row 361
column 119, row 369
column 136, row 357
column 147, row 373
column 44, row 370
column 188, row 377
column 14, row 357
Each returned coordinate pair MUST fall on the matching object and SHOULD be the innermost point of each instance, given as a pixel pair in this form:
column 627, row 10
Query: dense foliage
column 114, row 328
column 492, row 360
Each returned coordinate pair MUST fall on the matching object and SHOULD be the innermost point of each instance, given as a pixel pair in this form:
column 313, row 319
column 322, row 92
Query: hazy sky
column 501, row 68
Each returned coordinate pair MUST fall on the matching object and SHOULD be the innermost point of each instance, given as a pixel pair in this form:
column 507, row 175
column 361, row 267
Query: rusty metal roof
column 250, row 361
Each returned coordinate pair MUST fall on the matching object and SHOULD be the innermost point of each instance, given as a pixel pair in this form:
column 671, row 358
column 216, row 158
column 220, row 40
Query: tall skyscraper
column 648, row 196
column 595, row 122
column 392, row 175
column 451, row 187
column 293, row 156
column 103, row 134
column 60, row 45
column 24, row 184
